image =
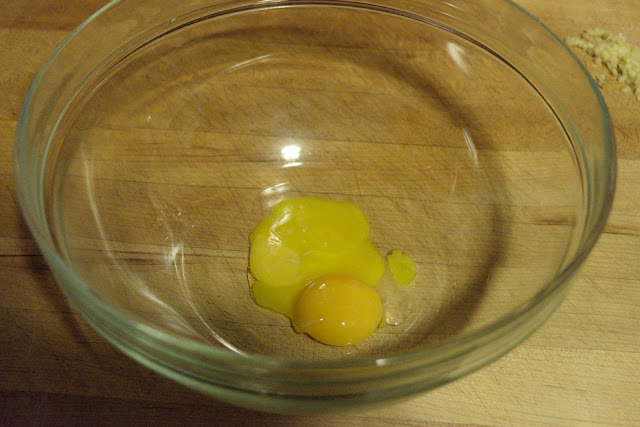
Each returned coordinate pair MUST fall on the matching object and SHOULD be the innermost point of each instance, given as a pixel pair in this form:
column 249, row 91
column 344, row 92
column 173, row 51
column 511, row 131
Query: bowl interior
column 182, row 142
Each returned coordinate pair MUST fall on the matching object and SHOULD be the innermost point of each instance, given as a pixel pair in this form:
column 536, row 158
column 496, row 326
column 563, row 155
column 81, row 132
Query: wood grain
column 582, row 367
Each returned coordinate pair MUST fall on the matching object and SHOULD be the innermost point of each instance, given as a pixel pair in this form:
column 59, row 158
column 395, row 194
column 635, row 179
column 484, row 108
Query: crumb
column 621, row 58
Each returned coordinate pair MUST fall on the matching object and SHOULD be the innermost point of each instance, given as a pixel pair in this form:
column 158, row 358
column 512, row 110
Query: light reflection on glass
column 291, row 164
column 275, row 194
column 274, row 189
column 291, row 153
column 247, row 63
column 456, row 52
column 470, row 145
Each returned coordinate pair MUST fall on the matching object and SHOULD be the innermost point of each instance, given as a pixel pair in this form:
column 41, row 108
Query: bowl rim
column 454, row 346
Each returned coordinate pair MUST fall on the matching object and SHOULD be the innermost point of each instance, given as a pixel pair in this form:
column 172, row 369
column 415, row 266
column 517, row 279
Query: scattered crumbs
column 621, row 58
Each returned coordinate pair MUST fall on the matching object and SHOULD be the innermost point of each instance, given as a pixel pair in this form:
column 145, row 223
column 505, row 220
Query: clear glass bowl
column 159, row 134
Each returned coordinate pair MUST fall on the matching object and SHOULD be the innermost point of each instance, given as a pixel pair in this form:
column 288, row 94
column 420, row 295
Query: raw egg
column 311, row 260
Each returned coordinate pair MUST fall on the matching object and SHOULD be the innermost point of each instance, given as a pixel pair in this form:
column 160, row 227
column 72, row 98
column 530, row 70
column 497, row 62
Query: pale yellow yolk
column 338, row 310
column 304, row 239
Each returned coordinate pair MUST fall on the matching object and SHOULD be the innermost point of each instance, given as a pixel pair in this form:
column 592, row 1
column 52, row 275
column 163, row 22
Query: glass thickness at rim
column 81, row 295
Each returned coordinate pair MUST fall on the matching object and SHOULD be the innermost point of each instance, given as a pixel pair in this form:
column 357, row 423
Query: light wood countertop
column 581, row 367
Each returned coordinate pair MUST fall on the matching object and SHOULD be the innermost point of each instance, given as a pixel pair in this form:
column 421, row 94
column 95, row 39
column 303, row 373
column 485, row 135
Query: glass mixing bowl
column 159, row 134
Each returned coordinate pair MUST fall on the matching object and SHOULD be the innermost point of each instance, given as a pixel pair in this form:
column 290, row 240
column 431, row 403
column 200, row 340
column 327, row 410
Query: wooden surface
column 583, row 366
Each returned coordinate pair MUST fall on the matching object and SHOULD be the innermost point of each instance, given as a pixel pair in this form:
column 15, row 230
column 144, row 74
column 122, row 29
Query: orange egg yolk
column 338, row 310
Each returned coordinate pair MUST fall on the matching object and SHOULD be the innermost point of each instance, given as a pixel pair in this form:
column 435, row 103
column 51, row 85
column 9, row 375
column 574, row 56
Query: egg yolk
column 338, row 310
column 304, row 239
